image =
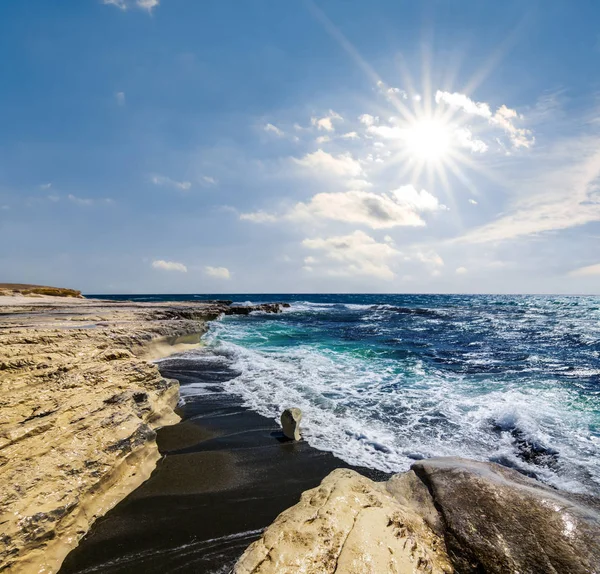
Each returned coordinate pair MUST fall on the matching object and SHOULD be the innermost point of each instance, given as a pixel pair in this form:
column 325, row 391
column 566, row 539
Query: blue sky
column 270, row 146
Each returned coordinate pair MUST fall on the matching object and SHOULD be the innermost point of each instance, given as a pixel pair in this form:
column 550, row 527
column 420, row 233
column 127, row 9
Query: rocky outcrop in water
column 444, row 515
column 79, row 407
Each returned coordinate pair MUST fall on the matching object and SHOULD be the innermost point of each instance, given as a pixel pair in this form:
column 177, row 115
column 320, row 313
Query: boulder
column 290, row 422
column 348, row 525
column 444, row 515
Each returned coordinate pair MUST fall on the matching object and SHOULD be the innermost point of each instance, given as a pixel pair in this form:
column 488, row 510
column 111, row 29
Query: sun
column 428, row 140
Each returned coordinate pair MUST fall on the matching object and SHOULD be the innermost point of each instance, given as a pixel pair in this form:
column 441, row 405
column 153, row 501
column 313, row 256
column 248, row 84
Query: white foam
column 377, row 413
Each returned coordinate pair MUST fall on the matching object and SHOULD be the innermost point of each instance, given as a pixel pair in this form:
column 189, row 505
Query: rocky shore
column 444, row 516
column 84, row 421
column 80, row 405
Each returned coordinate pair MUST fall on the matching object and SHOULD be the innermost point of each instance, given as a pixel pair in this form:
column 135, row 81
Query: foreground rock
column 444, row 515
column 79, row 407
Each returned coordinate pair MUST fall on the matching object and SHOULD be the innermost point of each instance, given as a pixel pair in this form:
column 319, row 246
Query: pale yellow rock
column 290, row 423
column 79, row 407
column 347, row 525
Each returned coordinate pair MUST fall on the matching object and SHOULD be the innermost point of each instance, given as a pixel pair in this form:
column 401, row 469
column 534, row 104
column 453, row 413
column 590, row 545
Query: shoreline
column 80, row 408
column 225, row 474
column 89, row 444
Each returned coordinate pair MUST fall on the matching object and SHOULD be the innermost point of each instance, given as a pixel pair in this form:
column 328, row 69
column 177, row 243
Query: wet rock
column 499, row 521
column 290, row 422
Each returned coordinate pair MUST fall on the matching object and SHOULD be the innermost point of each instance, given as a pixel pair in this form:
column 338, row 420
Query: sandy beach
column 225, row 474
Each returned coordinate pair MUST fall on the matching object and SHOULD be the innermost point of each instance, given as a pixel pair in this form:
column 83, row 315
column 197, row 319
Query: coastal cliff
column 80, row 405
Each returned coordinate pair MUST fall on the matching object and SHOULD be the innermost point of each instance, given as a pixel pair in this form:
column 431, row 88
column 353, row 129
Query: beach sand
column 226, row 473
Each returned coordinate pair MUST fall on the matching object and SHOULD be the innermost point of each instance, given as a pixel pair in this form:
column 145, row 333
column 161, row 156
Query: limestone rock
column 290, row 422
column 79, row 407
column 347, row 525
column 443, row 515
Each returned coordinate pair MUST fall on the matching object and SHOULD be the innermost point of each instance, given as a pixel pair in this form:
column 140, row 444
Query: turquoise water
column 384, row 380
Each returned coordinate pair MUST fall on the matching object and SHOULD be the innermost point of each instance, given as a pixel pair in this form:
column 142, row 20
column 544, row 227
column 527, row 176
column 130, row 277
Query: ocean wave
column 382, row 385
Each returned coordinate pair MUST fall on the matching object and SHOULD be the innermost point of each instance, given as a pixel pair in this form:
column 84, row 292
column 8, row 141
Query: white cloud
column 518, row 136
column 118, row 3
column 472, row 202
column 429, row 257
column 503, row 117
column 120, row 98
column 355, row 254
column 326, row 123
column 341, row 165
column 368, row 119
column 148, row 5
column 464, row 138
column 163, row 181
column 209, row 180
column 359, row 184
column 169, row 266
column 87, row 200
column 270, row 128
column 399, row 207
column 258, row 217
column 465, row 103
column 218, row 272
column 45, row 186
column 391, row 93
column 556, row 190
column 461, row 270
column 589, row 271
column 350, row 136
column 323, row 139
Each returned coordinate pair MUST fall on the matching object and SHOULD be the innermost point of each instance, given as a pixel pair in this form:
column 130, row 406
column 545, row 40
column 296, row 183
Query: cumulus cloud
column 368, row 120
column 399, row 207
column 350, row 136
column 270, row 128
column 464, row 103
column 472, row 202
column 354, row 254
column 217, row 272
column 461, row 270
column 588, row 271
column 343, row 165
column 326, row 123
column 504, row 117
column 163, row 181
column 169, row 265
column 464, row 138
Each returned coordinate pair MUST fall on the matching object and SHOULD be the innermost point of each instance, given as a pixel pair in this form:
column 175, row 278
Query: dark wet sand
column 225, row 475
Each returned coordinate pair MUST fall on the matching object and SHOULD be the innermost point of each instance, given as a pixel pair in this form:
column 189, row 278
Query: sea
column 386, row 380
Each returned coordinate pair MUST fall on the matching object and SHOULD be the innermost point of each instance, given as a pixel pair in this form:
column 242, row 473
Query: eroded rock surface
column 444, row 515
column 79, row 406
column 348, row 525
